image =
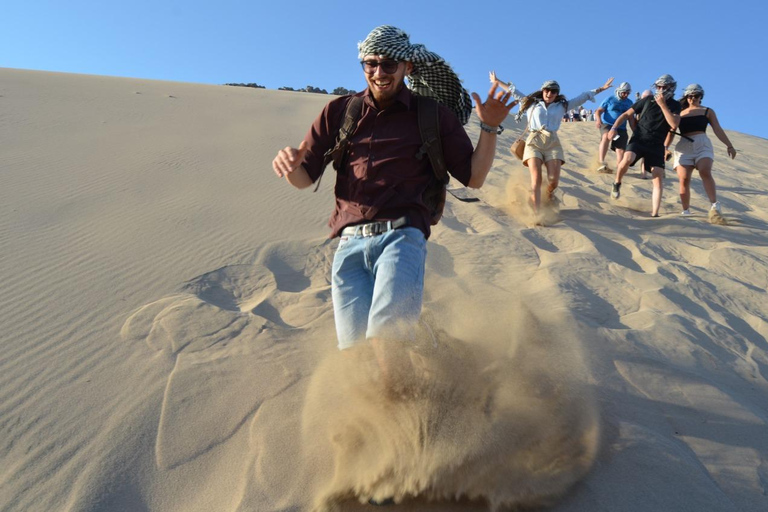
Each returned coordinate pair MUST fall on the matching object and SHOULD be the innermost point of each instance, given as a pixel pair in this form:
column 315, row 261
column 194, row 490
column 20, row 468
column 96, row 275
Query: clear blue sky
column 720, row 44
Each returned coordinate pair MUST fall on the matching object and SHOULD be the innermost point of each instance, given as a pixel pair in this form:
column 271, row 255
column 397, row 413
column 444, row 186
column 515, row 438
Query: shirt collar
column 404, row 96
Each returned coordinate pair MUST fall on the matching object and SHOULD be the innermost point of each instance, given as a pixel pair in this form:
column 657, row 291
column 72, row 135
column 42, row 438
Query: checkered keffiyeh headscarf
column 431, row 75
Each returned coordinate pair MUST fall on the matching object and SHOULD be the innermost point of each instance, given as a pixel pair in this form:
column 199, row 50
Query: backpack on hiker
column 429, row 127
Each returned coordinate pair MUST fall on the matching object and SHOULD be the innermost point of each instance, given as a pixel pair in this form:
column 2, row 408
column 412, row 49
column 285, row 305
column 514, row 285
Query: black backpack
column 429, row 127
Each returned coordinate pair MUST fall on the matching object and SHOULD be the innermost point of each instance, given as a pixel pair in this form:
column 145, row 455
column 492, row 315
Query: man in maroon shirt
column 380, row 215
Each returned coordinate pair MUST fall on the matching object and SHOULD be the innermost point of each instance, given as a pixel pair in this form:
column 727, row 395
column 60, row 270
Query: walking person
column 610, row 109
column 545, row 109
column 381, row 216
column 694, row 151
column 657, row 115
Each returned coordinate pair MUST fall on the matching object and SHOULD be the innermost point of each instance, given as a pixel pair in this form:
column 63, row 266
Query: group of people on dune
column 655, row 120
column 393, row 147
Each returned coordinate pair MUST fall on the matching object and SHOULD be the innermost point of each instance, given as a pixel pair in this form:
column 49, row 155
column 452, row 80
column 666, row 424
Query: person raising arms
column 381, row 215
column 611, row 108
column 545, row 109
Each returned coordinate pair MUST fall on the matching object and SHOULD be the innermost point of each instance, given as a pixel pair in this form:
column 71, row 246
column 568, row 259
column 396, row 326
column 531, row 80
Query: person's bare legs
column 621, row 170
column 644, row 171
column 657, row 173
column 602, row 149
column 553, row 175
column 619, row 156
column 705, row 171
column 684, row 173
column 534, row 166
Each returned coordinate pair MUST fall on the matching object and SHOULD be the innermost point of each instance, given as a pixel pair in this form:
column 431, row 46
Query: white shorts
column 689, row 152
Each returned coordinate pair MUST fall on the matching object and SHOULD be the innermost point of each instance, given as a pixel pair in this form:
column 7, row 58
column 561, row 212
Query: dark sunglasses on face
column 695, row 96
column 388, row 66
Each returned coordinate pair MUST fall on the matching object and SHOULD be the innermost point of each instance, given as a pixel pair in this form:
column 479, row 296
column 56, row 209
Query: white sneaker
column 716, row 207
column 602, row 168
column 686, row 213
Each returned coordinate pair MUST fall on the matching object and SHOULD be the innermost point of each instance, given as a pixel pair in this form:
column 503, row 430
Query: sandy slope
column 167, row 343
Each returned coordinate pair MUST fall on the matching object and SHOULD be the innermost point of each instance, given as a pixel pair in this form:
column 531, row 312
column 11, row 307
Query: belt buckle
column 368, row 229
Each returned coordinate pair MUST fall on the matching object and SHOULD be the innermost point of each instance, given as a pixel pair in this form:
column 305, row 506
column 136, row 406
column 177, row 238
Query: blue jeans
column 377, row 285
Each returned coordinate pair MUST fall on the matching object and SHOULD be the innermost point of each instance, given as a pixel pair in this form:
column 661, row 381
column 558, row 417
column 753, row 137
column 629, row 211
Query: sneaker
column 686, row 213
column 602, row 168
column 616, row 192
column 716, row 207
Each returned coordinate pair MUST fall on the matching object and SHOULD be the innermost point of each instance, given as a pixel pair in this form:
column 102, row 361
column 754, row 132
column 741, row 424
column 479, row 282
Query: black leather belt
column 375, row 228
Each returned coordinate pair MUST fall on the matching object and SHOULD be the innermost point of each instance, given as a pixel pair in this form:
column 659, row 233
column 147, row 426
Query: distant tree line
column 255, row 86
column 339, row 91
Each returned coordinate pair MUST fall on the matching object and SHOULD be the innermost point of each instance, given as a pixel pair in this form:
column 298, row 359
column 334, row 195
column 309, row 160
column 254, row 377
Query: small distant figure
column 694, row 151
column 583, row 114
column 657, row 116
column 637, row 95
column 607, row 113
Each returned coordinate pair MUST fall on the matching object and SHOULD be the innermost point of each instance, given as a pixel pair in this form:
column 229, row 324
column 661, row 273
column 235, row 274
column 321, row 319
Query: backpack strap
column 352, row 113
column 429, row 126
column 338, row 152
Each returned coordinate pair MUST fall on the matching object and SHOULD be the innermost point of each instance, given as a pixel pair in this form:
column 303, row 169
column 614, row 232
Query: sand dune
column 167, row 337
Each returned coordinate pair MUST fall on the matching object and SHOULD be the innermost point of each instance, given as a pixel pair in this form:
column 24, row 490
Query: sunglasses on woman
column 387, row 66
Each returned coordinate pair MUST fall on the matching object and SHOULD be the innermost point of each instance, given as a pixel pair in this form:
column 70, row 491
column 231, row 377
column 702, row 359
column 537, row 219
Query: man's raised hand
column 496, row 106
column 289, row 159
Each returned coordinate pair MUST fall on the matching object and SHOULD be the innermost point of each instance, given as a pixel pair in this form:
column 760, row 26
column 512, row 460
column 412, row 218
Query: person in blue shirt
column 610, row 109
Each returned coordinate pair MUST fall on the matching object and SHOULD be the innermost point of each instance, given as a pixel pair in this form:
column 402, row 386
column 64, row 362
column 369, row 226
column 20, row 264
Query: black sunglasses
column 388, row 66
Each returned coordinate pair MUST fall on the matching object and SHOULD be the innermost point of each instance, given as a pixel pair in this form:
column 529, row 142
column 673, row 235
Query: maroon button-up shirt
column 382, row 178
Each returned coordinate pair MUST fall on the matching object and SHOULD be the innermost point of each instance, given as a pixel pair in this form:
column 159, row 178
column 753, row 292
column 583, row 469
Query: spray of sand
column 502, row 415
column 516, row 201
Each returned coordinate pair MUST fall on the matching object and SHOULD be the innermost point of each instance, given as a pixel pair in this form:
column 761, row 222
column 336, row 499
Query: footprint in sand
column 231, row 332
